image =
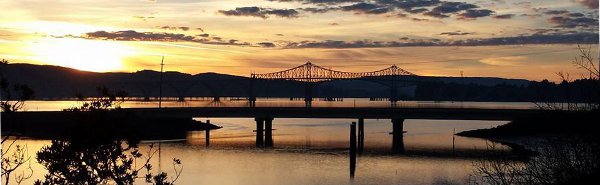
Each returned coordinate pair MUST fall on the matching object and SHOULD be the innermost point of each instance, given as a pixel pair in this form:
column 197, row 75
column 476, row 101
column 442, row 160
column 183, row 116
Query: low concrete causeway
column 365, row 113
column 264, row 117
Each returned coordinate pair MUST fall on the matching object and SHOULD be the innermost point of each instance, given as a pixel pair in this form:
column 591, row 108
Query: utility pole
column 162, row 64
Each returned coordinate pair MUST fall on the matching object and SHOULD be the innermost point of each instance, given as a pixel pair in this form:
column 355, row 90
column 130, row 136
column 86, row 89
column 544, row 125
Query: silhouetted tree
column 579, row 94
column 106, row 100
column 12, row 102
column 99, row 151
column 76, row 161
column 13, row 160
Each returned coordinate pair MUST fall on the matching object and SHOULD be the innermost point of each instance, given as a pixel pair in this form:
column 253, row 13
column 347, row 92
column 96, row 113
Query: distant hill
column 59, row 82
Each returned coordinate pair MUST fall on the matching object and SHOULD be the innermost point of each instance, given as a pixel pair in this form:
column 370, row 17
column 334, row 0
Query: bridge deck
column 367, row 113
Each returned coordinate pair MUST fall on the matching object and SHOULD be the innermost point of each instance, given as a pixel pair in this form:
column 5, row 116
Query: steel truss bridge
column 311, row 74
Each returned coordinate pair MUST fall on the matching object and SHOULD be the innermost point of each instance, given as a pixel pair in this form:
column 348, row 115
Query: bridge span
column 339, row 112
column 264, row 117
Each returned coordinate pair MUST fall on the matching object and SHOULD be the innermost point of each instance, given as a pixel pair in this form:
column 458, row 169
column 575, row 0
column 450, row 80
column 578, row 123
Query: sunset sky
column 500, row 38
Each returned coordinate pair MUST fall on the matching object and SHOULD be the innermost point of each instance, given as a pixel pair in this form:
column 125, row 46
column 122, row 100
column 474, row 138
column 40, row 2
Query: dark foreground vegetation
column 92, row 160
column 97, row 154
column 566, row 146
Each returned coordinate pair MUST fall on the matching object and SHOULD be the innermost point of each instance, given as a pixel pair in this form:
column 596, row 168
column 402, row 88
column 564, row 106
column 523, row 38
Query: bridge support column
column 259, row 131
column 361, row 135
column 268, row 132
column 397, row 135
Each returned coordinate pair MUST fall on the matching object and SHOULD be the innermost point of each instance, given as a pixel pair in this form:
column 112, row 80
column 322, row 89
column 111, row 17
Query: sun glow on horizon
column 88, row 55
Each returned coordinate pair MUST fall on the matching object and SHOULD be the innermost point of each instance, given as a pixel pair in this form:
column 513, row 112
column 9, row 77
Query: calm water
column 313, row 151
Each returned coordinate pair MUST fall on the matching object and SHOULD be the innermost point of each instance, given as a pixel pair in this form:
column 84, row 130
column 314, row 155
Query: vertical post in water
column 361, row 135
column 352, row 149
column 162, row 64
column 259, row 131
column 159, row 158
column 269, row 132
column 453, row 139
column 397, row 135
column 207, row 132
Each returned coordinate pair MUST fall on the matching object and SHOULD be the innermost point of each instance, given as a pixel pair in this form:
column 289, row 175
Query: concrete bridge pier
column 268, row 132
column 397, row 135
column 264, row 132
column 259, row 131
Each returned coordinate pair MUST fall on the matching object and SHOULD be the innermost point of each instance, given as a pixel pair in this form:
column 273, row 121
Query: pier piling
column 207, row 133
column 361, row 135
column 352, row 149
column 259, row 131
column 268, row 132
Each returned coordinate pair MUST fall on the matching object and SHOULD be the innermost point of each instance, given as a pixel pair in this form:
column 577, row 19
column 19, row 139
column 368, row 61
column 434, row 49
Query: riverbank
column 532, row 132
column 566, row 146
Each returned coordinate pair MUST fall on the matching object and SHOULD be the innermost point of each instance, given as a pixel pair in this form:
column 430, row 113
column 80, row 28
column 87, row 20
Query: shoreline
column 527, row 135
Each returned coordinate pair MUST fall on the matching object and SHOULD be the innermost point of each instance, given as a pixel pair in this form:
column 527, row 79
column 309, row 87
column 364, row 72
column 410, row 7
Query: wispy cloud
column 131, row 35
column 570, row 38
column 504, row 16
column 504, row 61
column 431, row 8
column 456, row 33
column 182, row 28
column 264, row 13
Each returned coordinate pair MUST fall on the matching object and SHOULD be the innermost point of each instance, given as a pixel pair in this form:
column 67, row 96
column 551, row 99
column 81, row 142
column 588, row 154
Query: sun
column 82, row 54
